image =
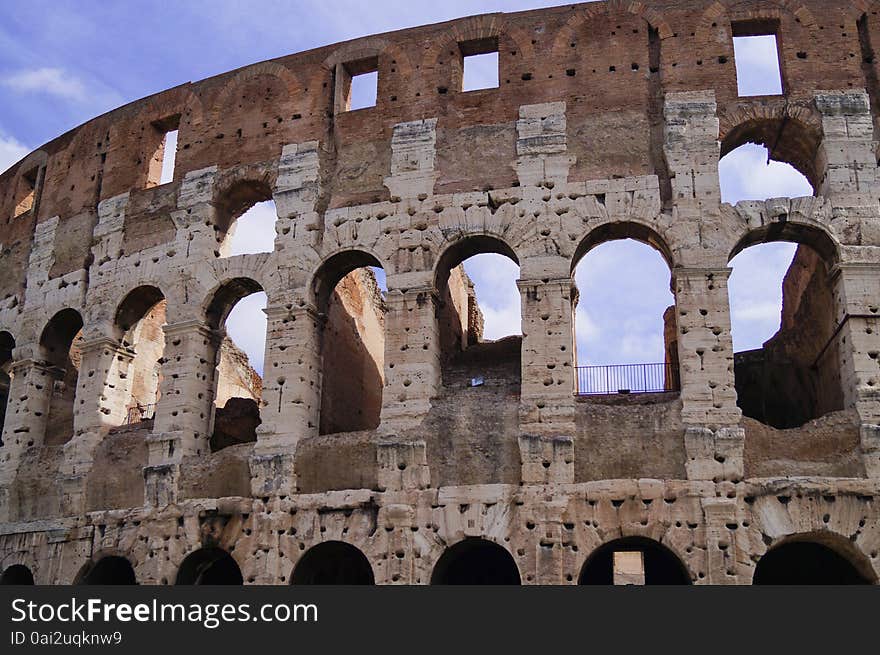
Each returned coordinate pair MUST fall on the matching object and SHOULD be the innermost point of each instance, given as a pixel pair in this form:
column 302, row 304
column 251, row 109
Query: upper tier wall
column 609, row 61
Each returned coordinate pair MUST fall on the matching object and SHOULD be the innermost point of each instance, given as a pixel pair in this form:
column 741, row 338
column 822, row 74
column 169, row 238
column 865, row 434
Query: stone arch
column 106, row 570
column 289, row 80
column 17, row 574
column 813, row 558
column 60, row 350
column 814, row 235
column 454, row 252
column 233, row 198
column 7, row 346
column 209, row 565
column 351, row 346
column 661, row 564
column 614, row 230
column 138, row 324
column 333, row 268
column 568, row 32
column 333, row 563
column 236, row 389
column 442, row 57
column 792, row 134
column 476, row 561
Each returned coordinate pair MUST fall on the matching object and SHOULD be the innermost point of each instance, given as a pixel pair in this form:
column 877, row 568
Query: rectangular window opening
column 357, row 84
column 27, row 191
column 756, row 52
column 479, row 64
column 161, row 169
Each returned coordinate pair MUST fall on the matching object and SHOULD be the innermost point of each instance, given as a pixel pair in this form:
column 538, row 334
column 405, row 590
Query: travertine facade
column 608, row 122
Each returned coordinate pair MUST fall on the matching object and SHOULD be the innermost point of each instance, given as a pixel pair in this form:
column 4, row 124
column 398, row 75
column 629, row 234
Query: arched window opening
column 110, row 570
column 17, row 574
column 246, row 220
column 806, row 563
column 624, row 314
column 139, row 322
column 633, row 561
column 237, row 314
column 352, row 343
column 209, row 566
column 333, row 563
column 60, row 345
column 479, row 315
column 781, row 301
column 475, row 561
column 7, row 344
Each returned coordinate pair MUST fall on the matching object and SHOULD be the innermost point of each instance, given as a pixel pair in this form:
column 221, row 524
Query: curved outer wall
column 609, row 121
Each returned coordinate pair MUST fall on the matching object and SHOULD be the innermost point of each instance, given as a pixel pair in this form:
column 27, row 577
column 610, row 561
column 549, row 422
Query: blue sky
column 80, row 59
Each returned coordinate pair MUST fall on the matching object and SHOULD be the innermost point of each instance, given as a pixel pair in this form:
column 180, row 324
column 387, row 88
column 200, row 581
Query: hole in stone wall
column 357, row 84
column 254, row 231
column 475, row 561
column 625, row 325
column 246, row 216
column 781, row 302
column 237, row 311
column 479, row 313
column 162, row 137
column 17, row 574
column 480, row 72
column 110, row 570
column 756, row 54
column 26, row 192
column 332, row 563
column 7, row 344
column 614, row 563
column 350, row 295
column 209, row 566
column 60, row 348
column 139, row 323
column 806, row 563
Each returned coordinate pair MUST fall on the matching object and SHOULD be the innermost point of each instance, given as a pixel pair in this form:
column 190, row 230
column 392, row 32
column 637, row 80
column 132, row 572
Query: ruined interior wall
column 220, row 474
column 236, row 378
column 635, row 436
column 353, row 355
column 782, row 384
column 145, row 370
column 454, row 315
column 116, row 479
column 825, row 446
column 59, row 426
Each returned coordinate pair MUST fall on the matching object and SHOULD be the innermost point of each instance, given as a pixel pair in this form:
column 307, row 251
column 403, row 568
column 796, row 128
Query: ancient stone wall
column 608, row 122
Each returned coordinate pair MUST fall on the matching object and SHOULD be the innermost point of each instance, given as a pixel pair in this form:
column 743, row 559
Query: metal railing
column 626, row 378
column 140, row 413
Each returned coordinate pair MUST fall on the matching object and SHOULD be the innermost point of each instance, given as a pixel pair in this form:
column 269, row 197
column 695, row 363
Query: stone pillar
column 547, row 390
column 541, row 146
column 412, row 159
column 27, row 410
column 412, row 356
column 857, row 290
column 291, row 407
column 185, row 409
column 713, row 439
column 691, row 147
column 846, row 162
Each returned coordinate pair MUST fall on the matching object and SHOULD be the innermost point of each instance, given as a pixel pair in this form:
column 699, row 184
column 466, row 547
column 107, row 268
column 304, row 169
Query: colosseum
column 386, row 440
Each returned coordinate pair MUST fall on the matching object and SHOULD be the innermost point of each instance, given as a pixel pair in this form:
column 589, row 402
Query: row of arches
column 784, row 382
column 477, row 561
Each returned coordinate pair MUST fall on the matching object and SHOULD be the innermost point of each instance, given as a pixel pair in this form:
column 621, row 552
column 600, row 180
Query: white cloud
column 757, row 65
column 51, row 81
column 11, row 151
column 494, row 277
